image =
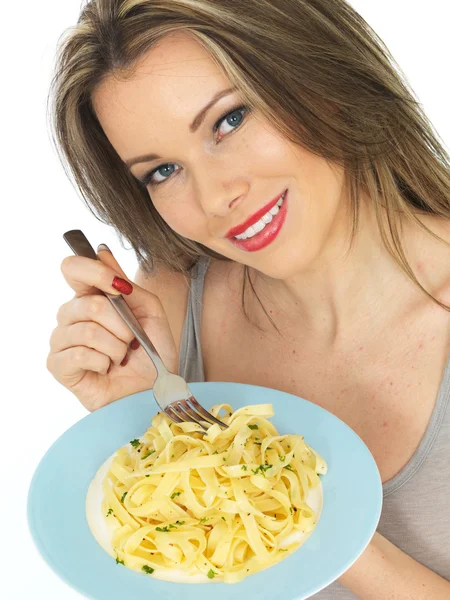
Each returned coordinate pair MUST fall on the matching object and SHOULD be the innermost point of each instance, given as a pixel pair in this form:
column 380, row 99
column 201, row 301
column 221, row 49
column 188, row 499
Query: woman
column 279, row 182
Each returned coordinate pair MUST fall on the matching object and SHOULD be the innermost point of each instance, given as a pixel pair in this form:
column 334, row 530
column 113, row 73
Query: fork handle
column 80, row 246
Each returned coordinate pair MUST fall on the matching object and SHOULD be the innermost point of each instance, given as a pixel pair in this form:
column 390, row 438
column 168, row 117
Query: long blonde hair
column 292, row 60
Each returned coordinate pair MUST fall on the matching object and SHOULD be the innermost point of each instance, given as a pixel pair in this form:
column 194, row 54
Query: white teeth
column 259, row 226
column 250, row 232
column 274, row 211
column 265, row 220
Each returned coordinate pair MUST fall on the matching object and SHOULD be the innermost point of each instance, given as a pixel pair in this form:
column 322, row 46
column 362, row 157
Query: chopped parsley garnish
column 290, row 509
column 255, row 426
column 147, row 569
column 163, row 529
column 223, row 518
column 203, row 519
column 135, row 443
column 282, row 549
column 257, row 443
column 282, row 458
column 211, row 574
column 147, row 475
column 123, row 497
column 177, row 524
column 215, row 452
column 262, row 469
column 119, row 562
column 174, row 495
column 289, row 468
column 244, row 468
column 149, row 453
column 110, row 510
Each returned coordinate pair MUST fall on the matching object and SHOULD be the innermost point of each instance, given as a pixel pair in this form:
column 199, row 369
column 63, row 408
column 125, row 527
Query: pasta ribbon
column 221, row 503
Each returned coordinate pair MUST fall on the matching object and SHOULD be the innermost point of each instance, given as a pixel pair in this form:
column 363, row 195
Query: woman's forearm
column 383, row 572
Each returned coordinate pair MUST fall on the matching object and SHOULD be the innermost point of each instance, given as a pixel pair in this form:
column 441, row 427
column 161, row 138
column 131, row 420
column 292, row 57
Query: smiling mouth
column 257, row 222
column 266, row 226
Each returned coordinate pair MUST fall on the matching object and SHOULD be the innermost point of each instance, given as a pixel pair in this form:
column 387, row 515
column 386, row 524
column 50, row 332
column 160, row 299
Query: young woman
column 289, row 205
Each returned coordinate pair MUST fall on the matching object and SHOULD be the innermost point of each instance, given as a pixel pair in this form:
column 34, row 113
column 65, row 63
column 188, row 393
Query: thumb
column 107, row 258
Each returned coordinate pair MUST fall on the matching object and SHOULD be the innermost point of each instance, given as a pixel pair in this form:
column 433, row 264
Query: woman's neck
column 352, row 288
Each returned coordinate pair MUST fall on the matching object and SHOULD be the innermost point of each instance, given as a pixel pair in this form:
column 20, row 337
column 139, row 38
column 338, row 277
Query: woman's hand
column 93, row 353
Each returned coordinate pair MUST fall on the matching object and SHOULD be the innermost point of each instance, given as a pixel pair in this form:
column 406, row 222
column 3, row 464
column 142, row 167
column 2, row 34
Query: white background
column 38, row 204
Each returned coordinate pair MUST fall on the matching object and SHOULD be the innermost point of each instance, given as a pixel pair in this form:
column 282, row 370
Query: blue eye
column 231, row 120
column 164, row 171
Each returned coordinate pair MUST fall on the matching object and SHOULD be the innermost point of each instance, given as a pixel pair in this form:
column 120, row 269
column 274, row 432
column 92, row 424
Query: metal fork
column 170, row 391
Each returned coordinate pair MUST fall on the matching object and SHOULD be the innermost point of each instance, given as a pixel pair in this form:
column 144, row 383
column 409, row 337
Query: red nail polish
column 134, row 345
column 124, row 362
column 122, row 286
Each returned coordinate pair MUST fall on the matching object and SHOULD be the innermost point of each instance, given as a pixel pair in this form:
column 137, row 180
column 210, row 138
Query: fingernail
column 124, row 362
column 134, row 345
column 122, row 286
column 103, row 247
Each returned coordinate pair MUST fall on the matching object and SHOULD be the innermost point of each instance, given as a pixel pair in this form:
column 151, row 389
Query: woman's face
column 223, row 168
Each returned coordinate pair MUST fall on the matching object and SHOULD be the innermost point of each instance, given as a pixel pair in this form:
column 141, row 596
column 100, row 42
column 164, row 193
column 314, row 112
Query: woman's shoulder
column 172, row 289
column 433, row 266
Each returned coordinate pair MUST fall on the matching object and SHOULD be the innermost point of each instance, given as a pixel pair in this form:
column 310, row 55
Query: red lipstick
column 268, row 234
column 253, row 219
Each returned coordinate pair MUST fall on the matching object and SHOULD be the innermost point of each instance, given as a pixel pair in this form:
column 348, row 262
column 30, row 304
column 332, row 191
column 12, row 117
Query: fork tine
column 172, row 415
column 208, row 416
column 187, row 413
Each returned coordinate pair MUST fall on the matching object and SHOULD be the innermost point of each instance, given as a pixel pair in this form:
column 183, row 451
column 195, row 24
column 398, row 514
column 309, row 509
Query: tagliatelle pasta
column 222, row 503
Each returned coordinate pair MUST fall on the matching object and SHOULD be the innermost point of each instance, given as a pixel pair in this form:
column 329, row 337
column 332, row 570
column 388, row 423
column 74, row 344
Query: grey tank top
column 416, row 502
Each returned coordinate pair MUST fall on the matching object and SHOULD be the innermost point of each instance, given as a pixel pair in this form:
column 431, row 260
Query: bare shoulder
column 436, row 253
column 172, row 288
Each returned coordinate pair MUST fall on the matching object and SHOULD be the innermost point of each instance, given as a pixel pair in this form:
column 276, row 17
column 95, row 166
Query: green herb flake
column 262, row 469
column 223, row 519
column 215, row 452
column 203, row 519
column 290, row 509
column 149, row 453
column 180, row 523
column 282, row 458
column 289, row 468
column 148, row 570
column 147, row 475
column 211, row 574
column 244, row 468
column 119, row 562
column 255, row 426
column 123, row 497
column 282, row 549
column 163, row 529
column 174, row 495
column 110, row 511
column 135, row 443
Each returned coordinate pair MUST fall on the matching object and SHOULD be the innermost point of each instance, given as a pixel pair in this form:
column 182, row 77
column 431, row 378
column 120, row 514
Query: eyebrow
column 198, row 120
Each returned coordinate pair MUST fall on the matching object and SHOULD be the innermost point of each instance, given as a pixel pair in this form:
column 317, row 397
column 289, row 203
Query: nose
column 220, row 188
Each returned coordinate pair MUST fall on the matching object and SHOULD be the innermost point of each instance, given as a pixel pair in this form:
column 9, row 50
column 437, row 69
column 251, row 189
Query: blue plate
column 352, row 499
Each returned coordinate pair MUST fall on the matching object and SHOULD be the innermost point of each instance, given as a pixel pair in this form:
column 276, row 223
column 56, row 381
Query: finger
column 69, row 366
column 141, row 299
column 95, row 308
column 87, row 276
column 90, row 335
column 108, row 258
